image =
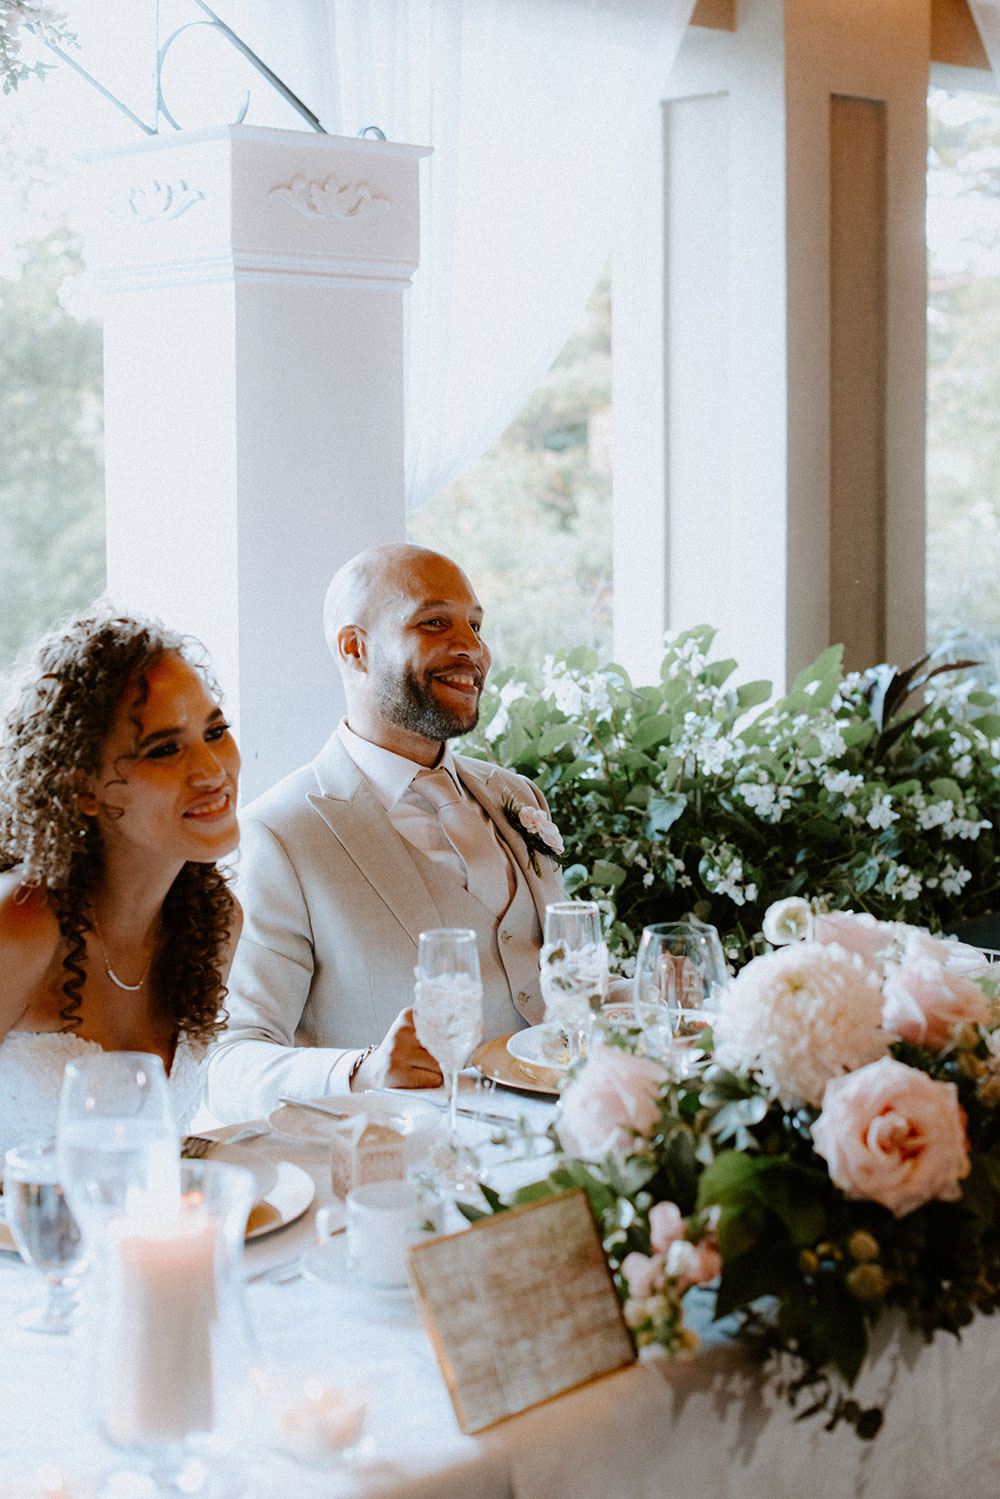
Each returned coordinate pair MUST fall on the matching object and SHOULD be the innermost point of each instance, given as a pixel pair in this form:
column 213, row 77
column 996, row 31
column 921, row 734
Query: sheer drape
column 537, row 111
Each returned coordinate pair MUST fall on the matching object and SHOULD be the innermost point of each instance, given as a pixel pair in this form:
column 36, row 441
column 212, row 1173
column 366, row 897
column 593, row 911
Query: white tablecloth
column 666, row 1431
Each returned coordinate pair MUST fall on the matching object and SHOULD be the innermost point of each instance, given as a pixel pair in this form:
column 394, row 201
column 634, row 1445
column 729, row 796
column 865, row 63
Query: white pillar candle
column 157, row 1340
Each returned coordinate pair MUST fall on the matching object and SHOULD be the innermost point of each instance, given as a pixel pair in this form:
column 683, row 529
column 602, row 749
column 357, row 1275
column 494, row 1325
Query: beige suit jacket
column 333, row 905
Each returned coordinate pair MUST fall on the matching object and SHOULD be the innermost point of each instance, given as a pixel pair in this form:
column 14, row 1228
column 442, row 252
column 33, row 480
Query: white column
column 754, row 514
column 254, row 397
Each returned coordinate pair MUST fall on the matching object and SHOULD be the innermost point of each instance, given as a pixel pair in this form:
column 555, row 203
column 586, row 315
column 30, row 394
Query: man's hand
column 399, row 1061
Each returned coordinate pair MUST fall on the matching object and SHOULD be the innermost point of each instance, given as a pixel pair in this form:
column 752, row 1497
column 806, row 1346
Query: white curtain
column 537, row 111
column 986, row 14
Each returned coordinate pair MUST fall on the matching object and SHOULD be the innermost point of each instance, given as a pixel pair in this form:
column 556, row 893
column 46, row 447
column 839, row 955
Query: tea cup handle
column 330, row 1221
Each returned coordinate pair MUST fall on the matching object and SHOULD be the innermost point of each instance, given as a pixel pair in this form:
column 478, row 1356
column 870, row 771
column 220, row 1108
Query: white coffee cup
column 383, row 1220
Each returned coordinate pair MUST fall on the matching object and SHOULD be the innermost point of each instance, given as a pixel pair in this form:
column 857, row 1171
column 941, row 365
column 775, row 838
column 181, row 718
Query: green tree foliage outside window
column 51, row 454
column 530, row 521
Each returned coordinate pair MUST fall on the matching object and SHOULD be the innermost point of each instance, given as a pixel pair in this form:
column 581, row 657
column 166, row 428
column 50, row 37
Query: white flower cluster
column 763, row 796
column 498, row 725
column 577, row 694
column 723, row 873
column 800, row 1016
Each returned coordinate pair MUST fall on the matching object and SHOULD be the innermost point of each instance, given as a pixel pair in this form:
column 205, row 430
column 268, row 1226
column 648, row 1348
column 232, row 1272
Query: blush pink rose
column 535, row 821
column 857, row 933
column 924, row 1002
column 666, row 1224
column 611, row 1105
column 893, row 1135
column 644, row 1274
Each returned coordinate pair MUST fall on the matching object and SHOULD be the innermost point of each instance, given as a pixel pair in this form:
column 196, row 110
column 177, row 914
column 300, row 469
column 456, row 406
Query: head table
column 680, row 1430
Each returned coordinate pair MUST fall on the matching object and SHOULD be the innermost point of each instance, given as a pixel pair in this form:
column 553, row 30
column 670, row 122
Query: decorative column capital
column 239, row 201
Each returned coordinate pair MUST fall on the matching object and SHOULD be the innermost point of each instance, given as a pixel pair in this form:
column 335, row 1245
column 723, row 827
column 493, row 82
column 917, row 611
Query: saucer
column 328, row 1263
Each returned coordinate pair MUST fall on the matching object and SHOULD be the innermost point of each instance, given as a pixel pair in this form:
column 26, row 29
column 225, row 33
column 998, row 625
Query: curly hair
column 51, row 741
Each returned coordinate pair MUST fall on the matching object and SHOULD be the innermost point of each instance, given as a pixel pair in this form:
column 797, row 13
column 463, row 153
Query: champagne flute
column 116, row 1140
column 448, row 1007
column 45, row 1232
column 680, row 973
column 574, row 969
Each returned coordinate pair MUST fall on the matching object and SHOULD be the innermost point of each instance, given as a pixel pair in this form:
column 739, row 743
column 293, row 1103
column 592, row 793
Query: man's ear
column 352, row 648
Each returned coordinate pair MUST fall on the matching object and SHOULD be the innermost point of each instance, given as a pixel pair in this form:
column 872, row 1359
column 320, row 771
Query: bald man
column 345, row 862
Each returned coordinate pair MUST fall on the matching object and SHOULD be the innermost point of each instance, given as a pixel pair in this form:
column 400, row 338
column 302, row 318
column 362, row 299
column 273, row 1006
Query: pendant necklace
column 120, row 983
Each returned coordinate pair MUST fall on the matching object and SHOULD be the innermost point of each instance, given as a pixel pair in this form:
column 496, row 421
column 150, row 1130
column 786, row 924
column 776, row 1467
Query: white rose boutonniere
column 540, row 834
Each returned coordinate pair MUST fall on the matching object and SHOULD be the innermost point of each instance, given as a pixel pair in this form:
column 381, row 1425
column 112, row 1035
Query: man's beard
column 404, row 701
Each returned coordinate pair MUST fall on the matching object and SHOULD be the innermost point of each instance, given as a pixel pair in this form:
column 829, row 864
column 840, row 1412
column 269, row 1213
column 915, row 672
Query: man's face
column 426, row 661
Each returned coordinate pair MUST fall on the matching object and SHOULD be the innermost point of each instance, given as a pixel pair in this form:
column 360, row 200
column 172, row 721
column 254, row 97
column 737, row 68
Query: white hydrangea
column 800, row 1016
column 880, row 814
column 953, row 878
column 842, row 783
column 933, row 816
column 962, row 767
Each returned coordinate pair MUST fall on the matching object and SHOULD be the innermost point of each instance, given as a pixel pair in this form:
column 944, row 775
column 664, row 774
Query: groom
column 385, row 835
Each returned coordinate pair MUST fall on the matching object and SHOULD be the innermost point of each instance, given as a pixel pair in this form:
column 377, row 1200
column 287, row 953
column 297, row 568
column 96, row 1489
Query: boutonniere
column 540, row 834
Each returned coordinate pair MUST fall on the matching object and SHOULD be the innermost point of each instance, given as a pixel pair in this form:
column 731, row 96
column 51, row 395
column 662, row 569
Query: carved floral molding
column 325, row 200
column 158, row 201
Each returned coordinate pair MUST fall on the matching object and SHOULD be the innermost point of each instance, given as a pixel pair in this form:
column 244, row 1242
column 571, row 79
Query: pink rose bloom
column 643, row 1274
column 666, row 1224
column 860, row 934
column 534, row 820
column 958, row 956
column 610, row 1103
column 893, row 1135
column 924, row 1002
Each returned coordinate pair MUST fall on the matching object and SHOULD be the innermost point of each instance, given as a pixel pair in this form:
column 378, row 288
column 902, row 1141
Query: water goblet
column 574, row 969
column 680, row 973
column 45, row 1232
column 448, row 1006
column 116, row 1140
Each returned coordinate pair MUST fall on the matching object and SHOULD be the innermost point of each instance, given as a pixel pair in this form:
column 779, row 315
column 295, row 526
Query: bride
column 118, row 779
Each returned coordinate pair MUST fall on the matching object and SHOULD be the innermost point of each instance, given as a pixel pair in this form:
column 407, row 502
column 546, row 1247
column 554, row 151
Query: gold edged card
column 520, row 1307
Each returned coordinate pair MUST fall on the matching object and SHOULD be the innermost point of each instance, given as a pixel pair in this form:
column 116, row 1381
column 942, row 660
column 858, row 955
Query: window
column 530, row 521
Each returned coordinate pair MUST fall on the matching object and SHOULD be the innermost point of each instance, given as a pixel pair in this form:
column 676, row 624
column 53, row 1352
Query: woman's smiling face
column 169, row 771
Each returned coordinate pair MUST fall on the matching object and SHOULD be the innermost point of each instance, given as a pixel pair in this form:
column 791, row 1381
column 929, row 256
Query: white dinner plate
column 410, row 1116
column 328, row 1263
column 293, row 1191
column 263, row 1170
column 540, row 1046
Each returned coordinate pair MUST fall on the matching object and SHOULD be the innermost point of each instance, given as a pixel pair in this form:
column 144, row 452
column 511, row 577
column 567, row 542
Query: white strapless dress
column 31, row 1074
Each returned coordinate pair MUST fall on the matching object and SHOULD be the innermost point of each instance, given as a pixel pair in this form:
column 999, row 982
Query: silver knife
column 317, row 1108
column 470, row 1113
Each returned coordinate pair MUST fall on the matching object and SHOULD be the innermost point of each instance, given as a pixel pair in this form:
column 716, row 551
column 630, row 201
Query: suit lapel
column 361, row 825
column 488, row 789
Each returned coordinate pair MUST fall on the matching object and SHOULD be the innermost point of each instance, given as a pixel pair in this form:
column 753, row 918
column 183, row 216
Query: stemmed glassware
column 680, row 973
column 45, row 1232
column 574, row 969
column 116, row 1139
column 448, row 1005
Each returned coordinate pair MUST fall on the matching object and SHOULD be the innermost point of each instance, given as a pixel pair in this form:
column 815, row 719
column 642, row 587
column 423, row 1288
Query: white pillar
column 254, row 397
column 782, row 497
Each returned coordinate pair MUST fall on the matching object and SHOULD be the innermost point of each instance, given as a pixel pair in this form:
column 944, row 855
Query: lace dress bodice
column 31, row 1074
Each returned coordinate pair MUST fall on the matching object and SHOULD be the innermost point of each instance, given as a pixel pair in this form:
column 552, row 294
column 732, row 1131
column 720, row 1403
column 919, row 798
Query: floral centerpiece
column 879, row 791
column 47, row 23
column 833, row 1154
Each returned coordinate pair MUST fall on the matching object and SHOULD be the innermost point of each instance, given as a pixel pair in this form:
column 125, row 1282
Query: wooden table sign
column 520, row 1307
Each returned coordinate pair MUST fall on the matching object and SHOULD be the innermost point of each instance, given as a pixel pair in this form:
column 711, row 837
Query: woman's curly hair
column 51, row 741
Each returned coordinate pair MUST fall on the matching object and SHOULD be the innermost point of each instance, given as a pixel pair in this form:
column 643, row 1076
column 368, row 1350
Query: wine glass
column 448, row 1006
column 116, row 1140
column 680, row 972
column 574, row 969
column 45, row 1232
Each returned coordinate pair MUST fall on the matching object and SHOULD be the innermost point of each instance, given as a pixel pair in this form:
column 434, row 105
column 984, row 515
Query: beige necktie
column 471, row 836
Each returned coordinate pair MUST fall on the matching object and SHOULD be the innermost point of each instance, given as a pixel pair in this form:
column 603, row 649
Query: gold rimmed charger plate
column 495, row 1061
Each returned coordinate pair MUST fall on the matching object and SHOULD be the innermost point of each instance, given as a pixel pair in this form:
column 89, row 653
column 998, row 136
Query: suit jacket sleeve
column 257, row 1057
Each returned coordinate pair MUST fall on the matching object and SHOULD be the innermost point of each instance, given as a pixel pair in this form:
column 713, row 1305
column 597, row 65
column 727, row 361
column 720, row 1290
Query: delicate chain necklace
column 120, row 983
